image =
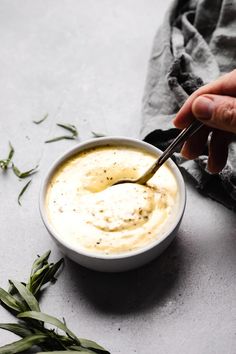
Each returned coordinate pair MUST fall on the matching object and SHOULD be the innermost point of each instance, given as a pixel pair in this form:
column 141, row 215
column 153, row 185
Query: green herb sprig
column 69, row 127
column 22, row 300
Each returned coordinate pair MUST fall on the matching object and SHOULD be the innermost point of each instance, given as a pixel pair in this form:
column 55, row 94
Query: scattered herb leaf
column 23, row 191
column 22, row 298
column 41, row 120
column 64, row 137
column 98, row 135
column 5, row 163
column 25, row 174
column 69, row 127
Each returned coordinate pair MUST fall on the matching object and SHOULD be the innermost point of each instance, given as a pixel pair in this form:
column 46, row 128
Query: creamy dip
column 88, row 212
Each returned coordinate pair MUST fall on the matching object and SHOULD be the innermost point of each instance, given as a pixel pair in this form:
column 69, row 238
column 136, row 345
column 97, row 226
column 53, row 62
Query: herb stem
column 23, row 191
column 41, row 120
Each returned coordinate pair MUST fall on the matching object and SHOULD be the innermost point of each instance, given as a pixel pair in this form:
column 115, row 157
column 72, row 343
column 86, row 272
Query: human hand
column 215, row 105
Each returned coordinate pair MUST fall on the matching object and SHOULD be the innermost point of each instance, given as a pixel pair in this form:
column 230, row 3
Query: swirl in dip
column 84, row 208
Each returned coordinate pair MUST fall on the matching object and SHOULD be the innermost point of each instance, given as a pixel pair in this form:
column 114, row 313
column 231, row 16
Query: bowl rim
column 103, row 141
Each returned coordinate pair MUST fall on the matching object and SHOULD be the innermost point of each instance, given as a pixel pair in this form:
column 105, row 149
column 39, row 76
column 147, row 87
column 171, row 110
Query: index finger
column 225, row 85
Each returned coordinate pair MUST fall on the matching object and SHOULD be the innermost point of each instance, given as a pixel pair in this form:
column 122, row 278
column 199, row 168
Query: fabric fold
column 195, row 44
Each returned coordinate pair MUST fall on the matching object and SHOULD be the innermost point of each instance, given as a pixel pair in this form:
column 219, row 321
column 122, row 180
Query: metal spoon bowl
column 180, row 139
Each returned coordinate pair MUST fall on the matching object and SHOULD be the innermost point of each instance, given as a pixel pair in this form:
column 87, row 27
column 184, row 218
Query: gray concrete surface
column 84, row 62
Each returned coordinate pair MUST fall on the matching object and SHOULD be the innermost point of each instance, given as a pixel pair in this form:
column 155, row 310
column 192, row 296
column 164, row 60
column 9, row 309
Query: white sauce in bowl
column 85, row 209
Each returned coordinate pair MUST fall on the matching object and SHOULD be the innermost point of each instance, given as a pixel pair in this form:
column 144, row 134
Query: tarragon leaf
column 32, row 330
column 23, row 191
column 49, row 276
column 36, row 279
column 42, row 272
column 98, row 134
column 89, row 344
column 40, row 120
column 71, row 128
column 58, row 138
column 9, row 300
column 40, row 261
column 25, row 174
column 19, row 329
column 40, row 316
column 5, row 163
column 46, row 276
column 23, row 344
column 26, row 295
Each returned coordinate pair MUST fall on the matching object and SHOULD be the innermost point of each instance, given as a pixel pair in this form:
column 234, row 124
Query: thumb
column 216, row 111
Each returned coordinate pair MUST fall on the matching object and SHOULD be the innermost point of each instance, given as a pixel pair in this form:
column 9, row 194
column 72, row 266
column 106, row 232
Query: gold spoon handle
column 181, row 138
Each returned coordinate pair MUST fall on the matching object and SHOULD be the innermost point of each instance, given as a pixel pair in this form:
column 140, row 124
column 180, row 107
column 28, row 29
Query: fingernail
column 203, row 108
column 183, row 151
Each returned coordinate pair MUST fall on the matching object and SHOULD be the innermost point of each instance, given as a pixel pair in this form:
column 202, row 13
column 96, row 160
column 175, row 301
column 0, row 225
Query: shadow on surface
column 134, row 290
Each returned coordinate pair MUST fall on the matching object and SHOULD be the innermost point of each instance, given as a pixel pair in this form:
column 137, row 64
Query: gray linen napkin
column 195, row 44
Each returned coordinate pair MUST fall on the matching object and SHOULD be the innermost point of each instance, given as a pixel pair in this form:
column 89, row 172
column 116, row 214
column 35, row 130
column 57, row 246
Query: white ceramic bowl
column 119, row 262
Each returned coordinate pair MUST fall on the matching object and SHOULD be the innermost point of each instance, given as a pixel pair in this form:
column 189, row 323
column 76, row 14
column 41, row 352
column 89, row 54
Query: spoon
column 181, row 138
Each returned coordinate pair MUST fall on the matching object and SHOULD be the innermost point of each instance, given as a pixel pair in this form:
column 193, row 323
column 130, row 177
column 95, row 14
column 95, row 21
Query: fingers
column 218, row 147
column 225, row 85
column 215, row 105
column 216, row 111
column 195, row 145
column 218, row 150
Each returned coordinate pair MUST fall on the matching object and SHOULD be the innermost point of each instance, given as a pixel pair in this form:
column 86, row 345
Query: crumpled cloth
column 195, row 45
